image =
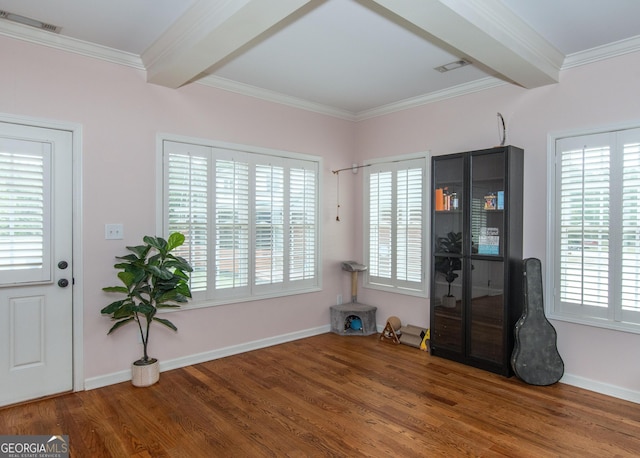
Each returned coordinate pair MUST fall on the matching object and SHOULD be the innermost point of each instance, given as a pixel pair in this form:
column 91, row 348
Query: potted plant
column 153, row 278
column 447, row 265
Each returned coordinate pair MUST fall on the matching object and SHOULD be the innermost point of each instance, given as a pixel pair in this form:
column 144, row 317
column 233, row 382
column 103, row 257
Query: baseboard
column 123, row 376
column 602, row 388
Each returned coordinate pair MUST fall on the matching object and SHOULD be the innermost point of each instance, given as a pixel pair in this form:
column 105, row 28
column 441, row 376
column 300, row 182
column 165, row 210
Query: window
column 250, row 219
column 395, row 225
column 25, row 209
column 595, row 244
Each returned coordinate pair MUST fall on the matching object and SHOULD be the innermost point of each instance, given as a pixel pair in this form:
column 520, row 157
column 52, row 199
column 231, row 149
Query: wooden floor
column 333, row 395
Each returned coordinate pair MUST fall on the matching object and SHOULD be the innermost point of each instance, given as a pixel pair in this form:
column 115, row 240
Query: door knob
column 63, row 283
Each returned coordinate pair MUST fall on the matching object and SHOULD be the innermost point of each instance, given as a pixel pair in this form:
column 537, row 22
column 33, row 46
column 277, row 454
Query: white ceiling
column 349, row 58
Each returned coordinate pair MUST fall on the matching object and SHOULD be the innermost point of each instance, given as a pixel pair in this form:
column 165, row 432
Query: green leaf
column 164, row 274
column 116, row 289
column 128, row 257
column 167, row 323
column 126, row 310
column 175, row 240
column 145, row 309
column 158, row 243
column 127, row 278
column 119, row 324
column 140, row 250
column 109, row 309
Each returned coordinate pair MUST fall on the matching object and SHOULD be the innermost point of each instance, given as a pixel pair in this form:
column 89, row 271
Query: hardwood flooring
column 339, row 396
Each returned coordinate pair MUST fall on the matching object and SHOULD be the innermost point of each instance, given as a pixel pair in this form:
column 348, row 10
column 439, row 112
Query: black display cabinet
column 476, row 256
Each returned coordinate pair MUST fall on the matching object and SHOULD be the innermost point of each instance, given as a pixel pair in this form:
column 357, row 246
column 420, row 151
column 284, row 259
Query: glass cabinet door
column 486, row 304
column 447, row 292
column 487, row 204
column 486, row 311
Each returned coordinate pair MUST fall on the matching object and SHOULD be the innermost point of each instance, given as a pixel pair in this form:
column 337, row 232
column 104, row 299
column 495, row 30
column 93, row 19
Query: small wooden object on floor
column 388, row 333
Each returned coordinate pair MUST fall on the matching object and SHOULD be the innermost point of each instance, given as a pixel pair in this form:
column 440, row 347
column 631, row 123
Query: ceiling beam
column 484, row 32
column 211, row 32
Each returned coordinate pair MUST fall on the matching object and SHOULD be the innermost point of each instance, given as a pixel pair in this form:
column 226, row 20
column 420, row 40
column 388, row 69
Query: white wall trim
column 189, row 360
column 73, row 45
column 601, row 388
column 599, row 53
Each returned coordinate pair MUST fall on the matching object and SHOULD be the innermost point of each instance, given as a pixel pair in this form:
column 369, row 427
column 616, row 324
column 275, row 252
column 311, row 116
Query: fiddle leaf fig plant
column 153, row 278
column 447, row 266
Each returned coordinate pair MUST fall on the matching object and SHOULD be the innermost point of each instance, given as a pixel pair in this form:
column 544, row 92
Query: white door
column 36, row 354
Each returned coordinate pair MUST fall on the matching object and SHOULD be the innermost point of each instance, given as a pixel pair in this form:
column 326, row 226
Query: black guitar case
column 535, row 357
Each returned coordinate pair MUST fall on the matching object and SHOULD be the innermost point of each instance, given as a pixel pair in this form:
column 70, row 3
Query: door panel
column 36, row 353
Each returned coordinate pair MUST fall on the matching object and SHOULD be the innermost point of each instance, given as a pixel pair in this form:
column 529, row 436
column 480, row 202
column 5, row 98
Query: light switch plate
column 113, row 231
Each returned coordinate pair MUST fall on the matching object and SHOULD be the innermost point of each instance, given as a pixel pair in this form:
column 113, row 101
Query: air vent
column 30, row 22
column 452, row 66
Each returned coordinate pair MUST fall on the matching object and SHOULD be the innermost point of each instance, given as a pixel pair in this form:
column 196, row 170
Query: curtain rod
column 356, row 167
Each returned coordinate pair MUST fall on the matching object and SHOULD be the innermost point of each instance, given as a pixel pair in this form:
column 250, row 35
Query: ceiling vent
column 30, row 22
column 452, row 66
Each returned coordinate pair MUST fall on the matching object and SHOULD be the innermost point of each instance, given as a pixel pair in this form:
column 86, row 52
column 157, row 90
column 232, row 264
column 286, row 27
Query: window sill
column 198, row 304
column 596, row 322
column 396, row 290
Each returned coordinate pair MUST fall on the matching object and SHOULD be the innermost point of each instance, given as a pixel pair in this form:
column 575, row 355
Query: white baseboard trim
column 602, row 388
column 123, row 376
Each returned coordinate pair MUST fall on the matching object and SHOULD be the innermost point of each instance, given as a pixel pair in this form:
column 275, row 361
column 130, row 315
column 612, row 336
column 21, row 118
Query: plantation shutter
column 380, row 226
column 409, row 225
column 187, row 207
column 396, row 224
column 269, row 211
column 232, row 220
column 25, row 211
column 584, row 222
column 250, row 220
column 630, row 269
column 302, row 221
column 598, row 235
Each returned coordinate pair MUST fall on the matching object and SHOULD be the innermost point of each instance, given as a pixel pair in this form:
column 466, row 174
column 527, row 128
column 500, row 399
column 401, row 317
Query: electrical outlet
column 339, row 299
column 113, row 231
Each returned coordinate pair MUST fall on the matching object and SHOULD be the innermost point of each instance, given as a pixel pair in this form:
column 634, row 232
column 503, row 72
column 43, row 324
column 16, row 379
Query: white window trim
column 552, row 310
column 162, row 137
column 426, row 231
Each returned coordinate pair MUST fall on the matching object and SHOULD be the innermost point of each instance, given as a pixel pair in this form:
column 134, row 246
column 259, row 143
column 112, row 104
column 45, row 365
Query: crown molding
column 449, row 93
column 604, row 52
column 73, row 45
column 273, row 96
column 41, row 37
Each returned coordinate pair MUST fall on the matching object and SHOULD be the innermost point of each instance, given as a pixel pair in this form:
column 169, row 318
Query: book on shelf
column 439, row 204
column 489, row 241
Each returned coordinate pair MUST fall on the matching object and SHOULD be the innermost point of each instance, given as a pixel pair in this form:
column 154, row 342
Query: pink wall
column 121, row 114
column 599, row 94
